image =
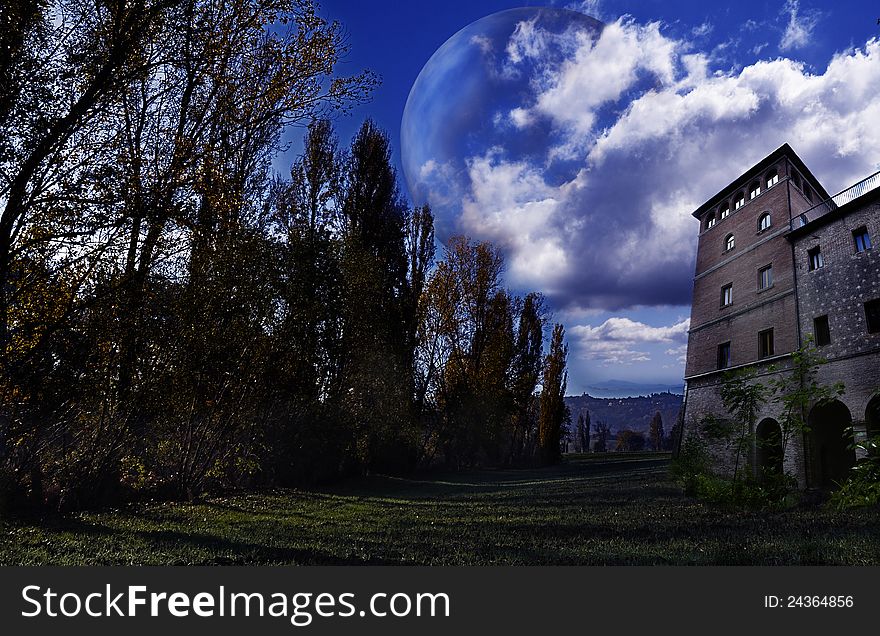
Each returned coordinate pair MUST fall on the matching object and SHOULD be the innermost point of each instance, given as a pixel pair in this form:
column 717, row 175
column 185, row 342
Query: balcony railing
column 844, row 196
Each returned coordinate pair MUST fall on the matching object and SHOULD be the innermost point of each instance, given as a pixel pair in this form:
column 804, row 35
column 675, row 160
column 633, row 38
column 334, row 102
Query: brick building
column 778, row 261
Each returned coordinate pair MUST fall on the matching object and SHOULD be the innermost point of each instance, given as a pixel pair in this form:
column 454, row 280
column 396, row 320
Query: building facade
column 780, row 262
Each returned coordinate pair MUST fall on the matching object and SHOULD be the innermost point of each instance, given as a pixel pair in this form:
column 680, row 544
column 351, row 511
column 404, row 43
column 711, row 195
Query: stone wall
column 704, row 399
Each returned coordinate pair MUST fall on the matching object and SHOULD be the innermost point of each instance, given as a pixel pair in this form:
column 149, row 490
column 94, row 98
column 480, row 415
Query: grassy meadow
column 588, row 511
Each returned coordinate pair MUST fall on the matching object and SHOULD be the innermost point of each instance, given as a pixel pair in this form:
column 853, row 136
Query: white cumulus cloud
column 656, row 129
column 618, row 340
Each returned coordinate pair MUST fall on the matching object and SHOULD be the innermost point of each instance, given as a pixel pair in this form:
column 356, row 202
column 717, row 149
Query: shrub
column 862, row 487
column 691, row 464
column 692, row 470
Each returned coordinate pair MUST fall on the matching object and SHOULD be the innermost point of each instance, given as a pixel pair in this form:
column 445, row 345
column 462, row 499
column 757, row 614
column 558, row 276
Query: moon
column 464, row 103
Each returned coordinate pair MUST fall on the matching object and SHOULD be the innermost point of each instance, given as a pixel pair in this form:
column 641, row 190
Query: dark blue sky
column 714, row 88
column 395, row 38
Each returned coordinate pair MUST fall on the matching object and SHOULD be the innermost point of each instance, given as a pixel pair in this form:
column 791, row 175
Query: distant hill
column 622, row 388
column 632, row 413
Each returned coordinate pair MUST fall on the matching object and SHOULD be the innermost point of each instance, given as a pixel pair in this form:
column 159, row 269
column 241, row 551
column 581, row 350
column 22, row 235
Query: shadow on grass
column 585, row 511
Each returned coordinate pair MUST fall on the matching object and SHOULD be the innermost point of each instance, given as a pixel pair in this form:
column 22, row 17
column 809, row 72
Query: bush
column 862, row 488
column 692, row 470
column 691, row 464
column 747, row 493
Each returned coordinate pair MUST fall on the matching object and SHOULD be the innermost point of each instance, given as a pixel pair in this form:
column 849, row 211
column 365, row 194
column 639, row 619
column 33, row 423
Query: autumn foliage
column 176, row 317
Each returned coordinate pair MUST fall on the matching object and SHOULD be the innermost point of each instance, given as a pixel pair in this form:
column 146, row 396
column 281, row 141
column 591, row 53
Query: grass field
column 586, row 511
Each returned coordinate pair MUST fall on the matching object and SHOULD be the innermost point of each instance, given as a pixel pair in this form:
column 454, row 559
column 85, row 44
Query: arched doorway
column 872, row 417
column 768, row 449
column 831, row 439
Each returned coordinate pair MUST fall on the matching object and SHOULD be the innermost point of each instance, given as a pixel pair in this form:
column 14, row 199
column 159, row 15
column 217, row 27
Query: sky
column 637, row 126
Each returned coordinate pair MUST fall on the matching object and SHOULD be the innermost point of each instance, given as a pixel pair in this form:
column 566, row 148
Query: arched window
column 710, row 220
column 772, row 178
column 725, row 210
column 729, row 243
column 797, row 179
column 808, row 192
column 764, row 222
column 754, row 189
column 739, row 201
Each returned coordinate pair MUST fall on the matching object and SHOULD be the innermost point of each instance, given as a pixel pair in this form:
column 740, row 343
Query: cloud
column 652, row 128
column 600, row 72
column 703, row 30
column 484, row 43
column 799, row 28
column 618, row 340
column 527, row 42
column 592, row 8
column 507, row 195
column 628, row 330
column 679, row 353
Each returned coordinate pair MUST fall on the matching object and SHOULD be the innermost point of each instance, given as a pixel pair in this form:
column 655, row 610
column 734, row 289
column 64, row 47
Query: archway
column 832, row 451
column 872, row 417
column 768, row 449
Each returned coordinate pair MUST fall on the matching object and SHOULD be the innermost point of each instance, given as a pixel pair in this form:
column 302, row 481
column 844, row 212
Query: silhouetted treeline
column 174, row 317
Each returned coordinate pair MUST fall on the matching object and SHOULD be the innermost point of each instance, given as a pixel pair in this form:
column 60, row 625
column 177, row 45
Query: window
column 725, row 210
column 800, row 220
column 754, row 189
column 808, row 192
column 872, row 315
column 727, row 295
column 816, row 260
column 729, row 243
column 724, row 355
column 797, row 179
column 822, row 331
column 710, row 221
column 772, row 179
column 766, row 342
column 764, row 222
column 739, row 201
column 862, row 239
column 765, row 277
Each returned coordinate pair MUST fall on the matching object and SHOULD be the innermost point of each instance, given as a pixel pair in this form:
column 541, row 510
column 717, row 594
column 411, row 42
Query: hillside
column 632, row 413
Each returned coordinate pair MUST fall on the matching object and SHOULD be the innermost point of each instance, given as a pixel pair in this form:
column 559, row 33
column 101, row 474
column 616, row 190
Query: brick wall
column 753, row 309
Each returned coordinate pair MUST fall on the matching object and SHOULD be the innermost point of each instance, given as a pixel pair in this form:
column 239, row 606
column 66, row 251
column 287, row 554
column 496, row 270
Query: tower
column 745, row 310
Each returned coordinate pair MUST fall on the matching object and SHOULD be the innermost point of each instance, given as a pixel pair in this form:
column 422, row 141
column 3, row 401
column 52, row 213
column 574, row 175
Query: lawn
column 586, row 511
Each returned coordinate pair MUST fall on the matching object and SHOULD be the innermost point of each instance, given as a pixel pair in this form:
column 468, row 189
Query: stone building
column 779, row 261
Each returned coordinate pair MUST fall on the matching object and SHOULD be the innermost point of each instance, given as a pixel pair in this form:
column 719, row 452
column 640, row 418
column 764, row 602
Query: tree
column 583, row 432
column 387, row 251
column 656, row 432
column 799, row 391
column 603, row 434
column 527, row 360
column 136, row 141
column 671, row 443
column 553, row 409
column 742, row 395
column 464, row 311
column 630, row 441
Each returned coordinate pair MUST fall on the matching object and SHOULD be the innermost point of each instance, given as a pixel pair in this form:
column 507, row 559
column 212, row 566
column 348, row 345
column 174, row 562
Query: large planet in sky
column 466, row 100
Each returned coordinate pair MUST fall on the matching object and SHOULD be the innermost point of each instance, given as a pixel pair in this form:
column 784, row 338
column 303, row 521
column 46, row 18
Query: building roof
column 757, row 170
column 838, row 206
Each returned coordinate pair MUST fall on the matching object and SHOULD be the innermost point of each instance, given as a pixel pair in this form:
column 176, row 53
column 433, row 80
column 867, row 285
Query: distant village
column 622, row 424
